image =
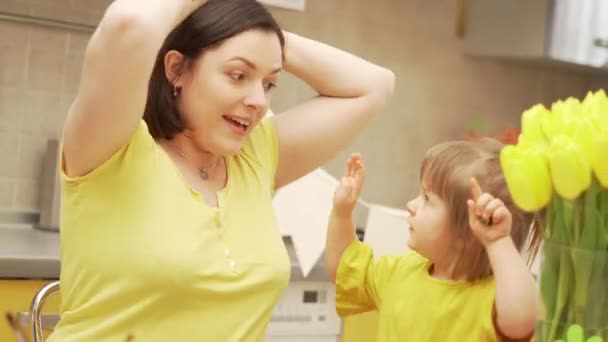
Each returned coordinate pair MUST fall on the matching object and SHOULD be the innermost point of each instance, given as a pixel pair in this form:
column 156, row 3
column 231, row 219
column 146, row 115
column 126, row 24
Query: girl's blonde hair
column 447, row 169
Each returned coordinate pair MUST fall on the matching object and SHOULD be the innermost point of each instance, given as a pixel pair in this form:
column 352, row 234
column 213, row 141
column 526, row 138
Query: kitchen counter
column 34, row 254
column 28, row 253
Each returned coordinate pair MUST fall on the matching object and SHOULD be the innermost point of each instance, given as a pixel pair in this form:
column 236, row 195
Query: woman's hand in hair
column 350, row 92
column 117, row 66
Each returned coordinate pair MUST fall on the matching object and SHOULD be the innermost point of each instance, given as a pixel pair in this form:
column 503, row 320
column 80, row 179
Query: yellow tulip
column 602, row 111
column 572, row 107
column 562, row 112
column 537, row 148
column 531, row 124
column 548, row 123
column 600, row 159
column 582, row 132
column 588, row 105
column 527, row 176
column 596, row 107
column 570, row 170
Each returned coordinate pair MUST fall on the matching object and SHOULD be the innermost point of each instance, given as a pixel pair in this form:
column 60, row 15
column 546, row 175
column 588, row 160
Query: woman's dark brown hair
column 447, row 169
column 206, row 28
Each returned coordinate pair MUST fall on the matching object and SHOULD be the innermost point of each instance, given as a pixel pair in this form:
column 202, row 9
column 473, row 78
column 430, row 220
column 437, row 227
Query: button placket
column 220, row 224
column 230, row 260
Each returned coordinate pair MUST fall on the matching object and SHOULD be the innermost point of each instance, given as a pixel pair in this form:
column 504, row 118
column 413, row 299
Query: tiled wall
column 439, row 94
column 39, row 72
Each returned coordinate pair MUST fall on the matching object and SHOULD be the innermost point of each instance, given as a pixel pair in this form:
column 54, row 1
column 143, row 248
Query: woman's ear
column 174, row 66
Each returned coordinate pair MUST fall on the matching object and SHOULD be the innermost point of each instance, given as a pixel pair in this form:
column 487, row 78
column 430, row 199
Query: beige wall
column 439, row 94
column 39, row 71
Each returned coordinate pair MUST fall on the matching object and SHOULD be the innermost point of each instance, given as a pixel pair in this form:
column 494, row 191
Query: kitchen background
column 442, row 92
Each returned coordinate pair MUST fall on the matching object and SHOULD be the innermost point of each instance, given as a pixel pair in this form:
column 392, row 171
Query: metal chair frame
column 36, row 308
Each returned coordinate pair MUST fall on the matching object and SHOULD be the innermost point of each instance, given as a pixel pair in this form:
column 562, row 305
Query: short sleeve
column 360, row 279
column 140, row 147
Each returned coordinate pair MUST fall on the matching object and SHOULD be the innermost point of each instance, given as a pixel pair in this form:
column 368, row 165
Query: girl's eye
column 268, row 86
column 426, row 198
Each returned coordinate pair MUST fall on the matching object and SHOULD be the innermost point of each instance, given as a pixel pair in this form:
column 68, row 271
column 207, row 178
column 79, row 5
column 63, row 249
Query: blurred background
column 464, row 68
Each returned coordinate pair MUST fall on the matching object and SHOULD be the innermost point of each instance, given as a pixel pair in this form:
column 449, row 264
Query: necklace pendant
column 204, row 174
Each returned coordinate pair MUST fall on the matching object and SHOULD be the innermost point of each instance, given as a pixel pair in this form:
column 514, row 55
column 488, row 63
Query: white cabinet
column 567, row 32
column 579, row 32
column 298, row 5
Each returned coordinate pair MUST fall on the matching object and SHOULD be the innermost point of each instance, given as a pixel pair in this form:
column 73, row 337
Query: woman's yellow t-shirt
column 143, row 255
column 412, row 305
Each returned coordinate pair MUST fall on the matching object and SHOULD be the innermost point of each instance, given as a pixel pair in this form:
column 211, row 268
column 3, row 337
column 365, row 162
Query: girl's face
column 430, row 231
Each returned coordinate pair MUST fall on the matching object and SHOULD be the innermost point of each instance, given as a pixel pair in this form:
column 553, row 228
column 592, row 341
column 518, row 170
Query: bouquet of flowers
column 560, row 166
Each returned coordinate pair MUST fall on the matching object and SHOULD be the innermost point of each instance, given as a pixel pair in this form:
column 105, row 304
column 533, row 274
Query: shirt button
column 232, row 264
column 226, row 252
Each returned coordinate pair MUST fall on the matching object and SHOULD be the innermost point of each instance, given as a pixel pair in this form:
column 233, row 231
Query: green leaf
column 564, row 289
column 583, row 257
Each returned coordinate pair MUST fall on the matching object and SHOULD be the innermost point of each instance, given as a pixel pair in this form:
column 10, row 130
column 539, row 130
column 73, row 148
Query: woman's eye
column 237, row 76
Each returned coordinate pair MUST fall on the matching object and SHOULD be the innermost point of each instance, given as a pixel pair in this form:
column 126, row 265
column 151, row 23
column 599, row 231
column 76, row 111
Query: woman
column 167, row 226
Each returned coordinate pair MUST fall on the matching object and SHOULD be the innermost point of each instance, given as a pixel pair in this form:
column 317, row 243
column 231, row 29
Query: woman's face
column 225, row 93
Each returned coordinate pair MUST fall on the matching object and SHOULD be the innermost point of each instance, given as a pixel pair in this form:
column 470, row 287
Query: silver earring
column 175, row 90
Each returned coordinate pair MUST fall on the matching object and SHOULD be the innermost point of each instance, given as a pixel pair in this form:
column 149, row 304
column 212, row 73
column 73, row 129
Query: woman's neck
column 193, row 155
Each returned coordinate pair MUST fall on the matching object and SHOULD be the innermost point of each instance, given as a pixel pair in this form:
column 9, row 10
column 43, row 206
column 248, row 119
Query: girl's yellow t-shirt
column 143, row 255
column 412, row 305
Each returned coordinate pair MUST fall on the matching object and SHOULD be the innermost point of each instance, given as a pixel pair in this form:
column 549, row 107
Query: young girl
column 465, row 279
